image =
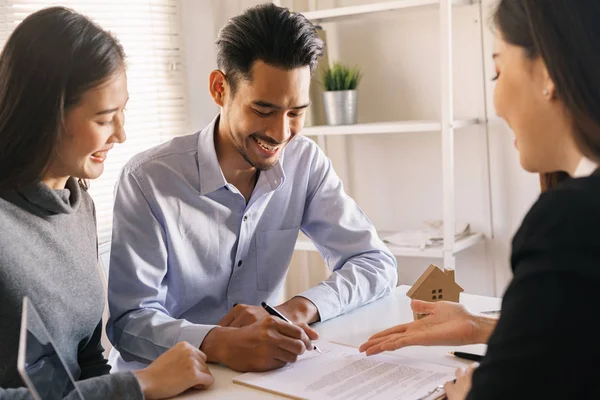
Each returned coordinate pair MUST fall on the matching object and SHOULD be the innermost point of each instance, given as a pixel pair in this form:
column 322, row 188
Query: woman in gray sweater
column 63, row 89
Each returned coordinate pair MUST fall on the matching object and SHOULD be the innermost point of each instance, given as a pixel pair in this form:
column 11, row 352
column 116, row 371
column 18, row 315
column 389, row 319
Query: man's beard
column 258, row 165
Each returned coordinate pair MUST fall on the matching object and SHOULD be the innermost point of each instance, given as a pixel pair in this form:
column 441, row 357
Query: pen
column 467, row 356
column 491, row 312
column 274, row 312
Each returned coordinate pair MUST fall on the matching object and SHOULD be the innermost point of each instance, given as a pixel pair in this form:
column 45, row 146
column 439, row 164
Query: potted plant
column 340, row 97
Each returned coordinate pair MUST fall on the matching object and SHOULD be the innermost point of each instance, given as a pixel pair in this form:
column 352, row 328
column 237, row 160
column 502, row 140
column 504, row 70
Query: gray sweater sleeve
column 121, row 385
column 15, row 394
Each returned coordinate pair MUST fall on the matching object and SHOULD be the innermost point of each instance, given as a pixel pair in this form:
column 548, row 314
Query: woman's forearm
column 485, row 327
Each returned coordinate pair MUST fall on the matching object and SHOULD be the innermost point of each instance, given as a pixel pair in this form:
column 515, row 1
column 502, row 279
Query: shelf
column 305, row 244
column 333, row 14
column 383, row 127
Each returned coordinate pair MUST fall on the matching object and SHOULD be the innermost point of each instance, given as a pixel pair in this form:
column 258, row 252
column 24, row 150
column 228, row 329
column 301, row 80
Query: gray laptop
column 40, row 365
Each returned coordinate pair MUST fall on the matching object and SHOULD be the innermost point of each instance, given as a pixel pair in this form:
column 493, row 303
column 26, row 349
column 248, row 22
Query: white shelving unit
column 445, row 126
column 376, row 128
column 339, row 13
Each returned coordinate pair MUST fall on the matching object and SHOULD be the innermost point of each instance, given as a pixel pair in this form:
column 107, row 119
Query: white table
column 353, row 329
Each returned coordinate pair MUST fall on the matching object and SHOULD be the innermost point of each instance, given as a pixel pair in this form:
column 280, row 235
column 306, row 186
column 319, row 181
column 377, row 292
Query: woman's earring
column 546, row 92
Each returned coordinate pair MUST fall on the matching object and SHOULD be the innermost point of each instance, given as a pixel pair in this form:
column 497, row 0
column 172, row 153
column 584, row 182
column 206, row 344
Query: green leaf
column 341, row 77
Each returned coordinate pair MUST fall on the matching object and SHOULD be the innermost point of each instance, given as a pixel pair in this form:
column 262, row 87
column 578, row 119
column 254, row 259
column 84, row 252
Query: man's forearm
column 213, row 346
column 300, row 310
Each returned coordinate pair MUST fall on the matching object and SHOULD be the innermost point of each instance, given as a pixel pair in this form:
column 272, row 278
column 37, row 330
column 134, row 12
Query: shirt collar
column 585, row 168
column 211, row 175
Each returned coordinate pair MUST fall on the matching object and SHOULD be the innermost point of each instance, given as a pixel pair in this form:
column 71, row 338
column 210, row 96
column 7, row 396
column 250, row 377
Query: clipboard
column 436, row 394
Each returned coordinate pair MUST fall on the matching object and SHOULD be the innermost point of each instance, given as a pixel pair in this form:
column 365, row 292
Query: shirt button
column 245, row 218
column 240, row 263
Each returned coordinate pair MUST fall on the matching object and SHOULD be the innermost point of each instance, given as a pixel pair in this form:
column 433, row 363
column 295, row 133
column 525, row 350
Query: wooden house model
column 435, row 284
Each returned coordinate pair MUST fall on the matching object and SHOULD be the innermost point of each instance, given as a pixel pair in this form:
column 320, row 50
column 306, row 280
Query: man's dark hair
column 269, row 33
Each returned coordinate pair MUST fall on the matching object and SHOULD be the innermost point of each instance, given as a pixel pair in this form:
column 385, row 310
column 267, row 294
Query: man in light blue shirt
column 205, row 225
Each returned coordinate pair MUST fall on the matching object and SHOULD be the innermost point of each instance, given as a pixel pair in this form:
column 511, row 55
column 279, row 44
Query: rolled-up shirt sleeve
column 363, row 268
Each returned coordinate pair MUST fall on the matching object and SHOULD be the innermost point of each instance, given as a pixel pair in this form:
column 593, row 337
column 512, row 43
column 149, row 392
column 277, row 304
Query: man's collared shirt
column 187, row 246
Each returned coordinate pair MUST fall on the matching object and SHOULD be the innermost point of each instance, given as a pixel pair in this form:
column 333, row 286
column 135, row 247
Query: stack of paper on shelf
column 431, row 234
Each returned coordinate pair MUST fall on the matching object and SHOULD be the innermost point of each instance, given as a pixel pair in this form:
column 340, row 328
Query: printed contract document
column 341, row 372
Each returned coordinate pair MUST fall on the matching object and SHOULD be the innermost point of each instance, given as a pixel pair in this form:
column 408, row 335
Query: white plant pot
column 340, row 107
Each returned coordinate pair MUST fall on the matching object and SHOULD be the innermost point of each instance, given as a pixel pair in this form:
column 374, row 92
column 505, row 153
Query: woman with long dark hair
column 63, row 90
column 544, row 345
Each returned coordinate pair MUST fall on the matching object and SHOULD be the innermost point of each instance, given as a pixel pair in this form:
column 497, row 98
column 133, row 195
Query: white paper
column 341, row 372
column 431, row 233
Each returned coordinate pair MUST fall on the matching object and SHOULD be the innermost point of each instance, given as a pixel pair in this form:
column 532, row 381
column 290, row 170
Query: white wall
column 397, row 179
column 200, row 24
